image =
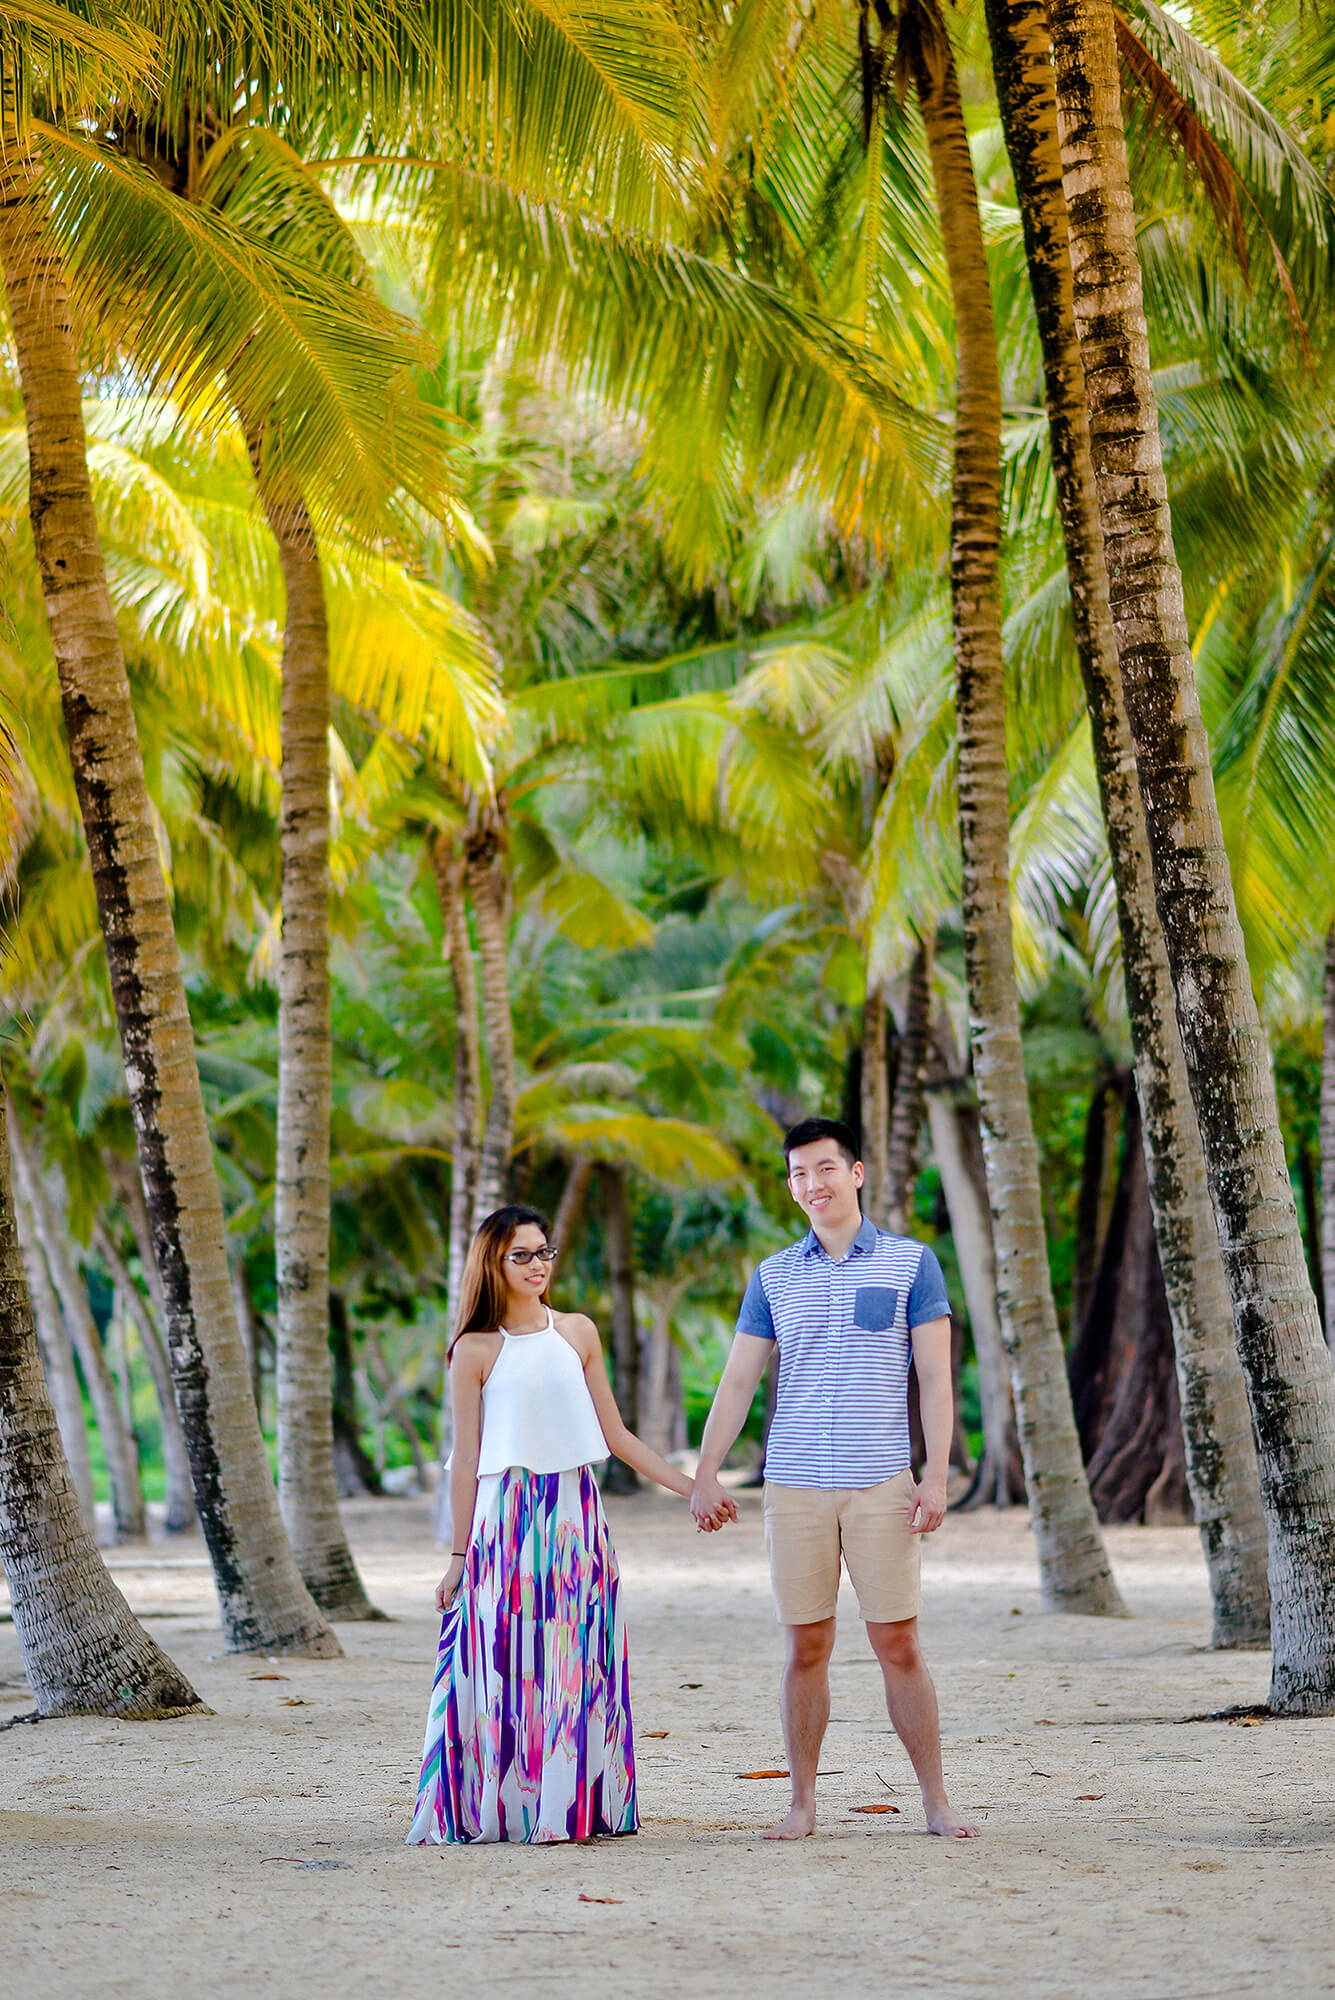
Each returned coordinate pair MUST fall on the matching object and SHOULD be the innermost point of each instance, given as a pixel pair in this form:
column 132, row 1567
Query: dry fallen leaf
column 762, row 1774
column 1089, row 1795
column 293, row 1701
column 266, row 1677
column 1044, row 1722
column 1246, row 1721
column 600, row 1899
column 875, row 1809
column 655, row 1732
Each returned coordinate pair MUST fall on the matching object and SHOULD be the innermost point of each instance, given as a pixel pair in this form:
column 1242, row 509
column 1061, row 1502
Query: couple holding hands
column 529, row 1734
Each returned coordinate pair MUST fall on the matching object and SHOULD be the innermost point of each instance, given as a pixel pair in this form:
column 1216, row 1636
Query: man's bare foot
column 796, row 1824
column 946, row 1820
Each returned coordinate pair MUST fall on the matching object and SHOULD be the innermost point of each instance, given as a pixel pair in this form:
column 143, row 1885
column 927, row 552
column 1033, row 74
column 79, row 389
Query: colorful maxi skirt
column 528, row 1735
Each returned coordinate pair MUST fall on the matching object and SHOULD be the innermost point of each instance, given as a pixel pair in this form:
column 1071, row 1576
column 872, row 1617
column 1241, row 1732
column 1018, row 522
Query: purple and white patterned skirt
column 529, row 1735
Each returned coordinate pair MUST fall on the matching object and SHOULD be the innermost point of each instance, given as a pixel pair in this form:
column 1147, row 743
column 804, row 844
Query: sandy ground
column 1200, row 1865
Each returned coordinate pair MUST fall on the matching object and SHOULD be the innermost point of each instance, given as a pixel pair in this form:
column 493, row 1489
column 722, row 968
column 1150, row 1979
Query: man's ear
column 859, row 1173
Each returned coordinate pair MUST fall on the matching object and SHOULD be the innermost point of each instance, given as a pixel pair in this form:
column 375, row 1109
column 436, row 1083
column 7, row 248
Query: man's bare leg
column 911, row 1700
column 804, row 1706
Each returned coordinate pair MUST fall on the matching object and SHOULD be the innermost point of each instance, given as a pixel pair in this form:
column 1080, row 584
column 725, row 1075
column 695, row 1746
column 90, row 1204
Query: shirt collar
column 864, row 1240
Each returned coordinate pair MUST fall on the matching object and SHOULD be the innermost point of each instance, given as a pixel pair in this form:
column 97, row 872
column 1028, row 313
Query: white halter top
column 536, row 1408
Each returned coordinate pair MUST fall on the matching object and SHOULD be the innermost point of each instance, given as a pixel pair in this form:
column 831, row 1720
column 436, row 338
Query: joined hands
column 711, row 1507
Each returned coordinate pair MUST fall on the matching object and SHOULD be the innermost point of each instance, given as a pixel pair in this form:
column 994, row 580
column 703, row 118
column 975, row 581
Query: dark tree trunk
column 619, row 1245
column 356, row 1475
column 1123, row 1372
column 1098, row 1185
column 901, row 1170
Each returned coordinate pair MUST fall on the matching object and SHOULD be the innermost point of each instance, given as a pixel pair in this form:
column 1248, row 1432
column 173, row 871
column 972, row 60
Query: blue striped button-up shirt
column 844, row 1331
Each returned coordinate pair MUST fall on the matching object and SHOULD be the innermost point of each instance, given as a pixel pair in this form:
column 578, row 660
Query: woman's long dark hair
column 484, row 1294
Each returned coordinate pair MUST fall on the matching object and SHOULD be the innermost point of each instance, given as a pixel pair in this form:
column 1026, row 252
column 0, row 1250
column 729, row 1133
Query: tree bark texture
column 265, row 1605
column 875, row 1085
column 307, row 1490
column 901, row 1167
column 570, row 1207
column 84, row 1652
column 619, row 1248
column 1221, row 1456
column 1074, row 1570
column 1328, row 1136
column 180, row 1498
column 118, row 1446
column 57, row 1352
column 1098, row 1188
column 1123, row 1384
column 1290, row 1381
column 449, row 867
column 952, row 1124
column 489, row 887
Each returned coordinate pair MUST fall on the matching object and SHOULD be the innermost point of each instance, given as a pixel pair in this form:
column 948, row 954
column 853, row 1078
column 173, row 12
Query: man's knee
column 896, row 1645
column 810, row 1646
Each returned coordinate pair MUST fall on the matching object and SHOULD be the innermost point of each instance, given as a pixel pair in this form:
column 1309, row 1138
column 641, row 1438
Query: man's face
column 823, row 1184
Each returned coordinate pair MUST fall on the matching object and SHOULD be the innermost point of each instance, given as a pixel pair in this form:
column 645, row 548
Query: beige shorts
column 807, row 1530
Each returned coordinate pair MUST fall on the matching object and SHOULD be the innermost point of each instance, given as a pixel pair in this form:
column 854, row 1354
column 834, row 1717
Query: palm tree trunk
column 1328, row 1136
column 118, row 1446
column 619, row 1247
column 901, row 1166
column 180, row 1507
column 265, row 1605
column 954, row 1148
column 875, row 1101
column 307, row 1492
column 490, row 889
column 448, row 866
column 571, row 1206
column 1220, row 1454
column 1290, row 1382
column 57, row 1354
column 84, row 1651
column 1074, row 1571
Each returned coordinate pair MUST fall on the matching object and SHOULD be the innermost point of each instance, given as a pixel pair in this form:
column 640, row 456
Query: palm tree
column 1073, row 1562
column 1220, row 1457
column 1280, row 1341
column 84, row 1651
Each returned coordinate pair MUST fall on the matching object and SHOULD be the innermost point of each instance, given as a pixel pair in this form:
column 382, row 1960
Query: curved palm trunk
column 1074, row 1571
column 180, row 1507
column 901, row 1161
column 1290, row 1382
column 1220, row 1454
column 264, row 1604
column 57, row 1354
column 956, row 1148
column 84, row 1651
column 875, row 1101
column 449, row 866
column 307, row 1491
column 118, row 1446
column 490, row 889
column 571, row 1206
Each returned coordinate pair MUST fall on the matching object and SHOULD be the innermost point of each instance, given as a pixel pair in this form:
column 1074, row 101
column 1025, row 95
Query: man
column 845, row 1307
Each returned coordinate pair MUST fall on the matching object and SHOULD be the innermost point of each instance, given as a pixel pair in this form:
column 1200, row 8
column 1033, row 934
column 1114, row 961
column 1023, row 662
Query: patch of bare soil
column 1127, row 1854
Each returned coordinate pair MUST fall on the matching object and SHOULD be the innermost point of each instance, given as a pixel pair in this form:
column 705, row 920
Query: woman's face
column 526, row 1275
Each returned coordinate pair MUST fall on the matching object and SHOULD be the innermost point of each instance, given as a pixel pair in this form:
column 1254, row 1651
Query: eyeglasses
column 547, row 1255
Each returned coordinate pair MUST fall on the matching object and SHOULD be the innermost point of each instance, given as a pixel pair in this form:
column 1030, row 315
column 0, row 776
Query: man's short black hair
column 809, row 1130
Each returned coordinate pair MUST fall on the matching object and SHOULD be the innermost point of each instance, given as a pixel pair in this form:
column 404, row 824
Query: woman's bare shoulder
column 579, row 1330
column 473, row 1350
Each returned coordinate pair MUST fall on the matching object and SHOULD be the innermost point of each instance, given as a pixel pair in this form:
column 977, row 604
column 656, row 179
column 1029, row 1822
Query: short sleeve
column 754, row 1315
column 928, row 1298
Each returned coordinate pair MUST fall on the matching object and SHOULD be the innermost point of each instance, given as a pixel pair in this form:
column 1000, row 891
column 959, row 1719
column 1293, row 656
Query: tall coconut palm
column 84, row 1651
column 1220, row 1457
column 1290, row 1384
column 1073, row 1562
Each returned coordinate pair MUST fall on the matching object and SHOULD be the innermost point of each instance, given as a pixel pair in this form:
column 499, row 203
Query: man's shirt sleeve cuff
column 754, row 1315
column 928, row 1298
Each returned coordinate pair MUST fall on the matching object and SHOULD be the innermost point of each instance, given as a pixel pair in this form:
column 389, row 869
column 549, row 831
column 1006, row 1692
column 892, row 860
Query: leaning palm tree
column 1220, row 1457
column 1279, row 1336
column 84, row 1651
column 1073, row 1561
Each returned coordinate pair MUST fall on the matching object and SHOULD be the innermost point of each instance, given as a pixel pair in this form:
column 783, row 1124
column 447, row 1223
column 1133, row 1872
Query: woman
column 529, row 1732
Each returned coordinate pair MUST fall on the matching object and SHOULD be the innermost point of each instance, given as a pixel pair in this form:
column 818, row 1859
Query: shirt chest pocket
column 874, row 1308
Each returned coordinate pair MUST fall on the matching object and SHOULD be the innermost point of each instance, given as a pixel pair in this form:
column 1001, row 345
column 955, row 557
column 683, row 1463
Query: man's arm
column 936, row 1405
column 746, row 1364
